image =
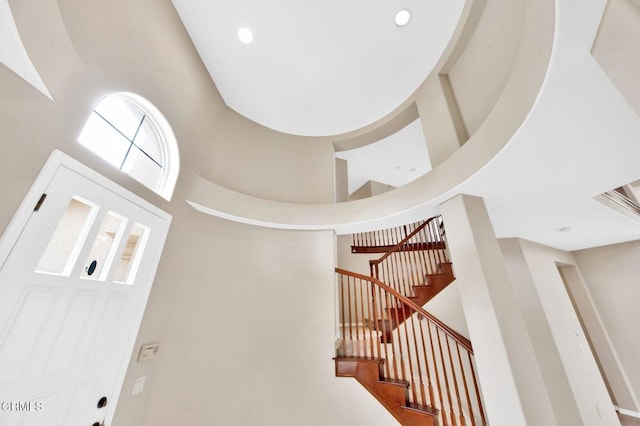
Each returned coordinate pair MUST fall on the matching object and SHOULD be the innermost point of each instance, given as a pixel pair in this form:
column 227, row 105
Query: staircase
column 384, row 240
column 421, row 370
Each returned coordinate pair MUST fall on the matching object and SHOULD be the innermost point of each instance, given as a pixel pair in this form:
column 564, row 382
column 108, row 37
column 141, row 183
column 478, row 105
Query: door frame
column 14, row 229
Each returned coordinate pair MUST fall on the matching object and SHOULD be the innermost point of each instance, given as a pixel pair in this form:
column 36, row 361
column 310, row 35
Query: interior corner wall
column 483, row 69
column 590, row 393
column 615, row 48
column 256, row 300
column 539, row 329
column 438, row 115
column 250, row 336
column 355, row 262
column 151, row 55
column 512, row 384
column 610, row 274
column 341, row 193
column 370, row 188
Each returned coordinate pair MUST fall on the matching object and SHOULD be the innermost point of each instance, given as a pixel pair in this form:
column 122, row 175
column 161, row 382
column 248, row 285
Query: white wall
column 512, row 383
column 370, row 188
column 483, row 69
column 440, row 118
column 591, row 397
column 615, row 48
column 278, row 356
column 539, row 330
column 447, row 307
column 611, row 296
column 355, row 262
column 250, row 335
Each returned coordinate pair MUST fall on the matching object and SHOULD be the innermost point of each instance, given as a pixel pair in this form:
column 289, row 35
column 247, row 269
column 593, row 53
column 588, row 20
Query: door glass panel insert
column 100, row 258
column 131, row 255
column 67, row 240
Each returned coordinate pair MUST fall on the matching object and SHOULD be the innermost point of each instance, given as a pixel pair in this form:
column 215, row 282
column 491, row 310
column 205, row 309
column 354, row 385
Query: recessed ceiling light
column 403, row 17
column 245, row 35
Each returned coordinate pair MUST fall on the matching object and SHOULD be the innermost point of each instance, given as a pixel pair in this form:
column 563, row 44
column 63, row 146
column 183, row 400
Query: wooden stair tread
column 421, row 408
column 358, row 358
column 395, row 382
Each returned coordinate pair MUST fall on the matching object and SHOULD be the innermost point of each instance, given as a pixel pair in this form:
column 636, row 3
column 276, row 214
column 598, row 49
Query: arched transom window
column 130, row 133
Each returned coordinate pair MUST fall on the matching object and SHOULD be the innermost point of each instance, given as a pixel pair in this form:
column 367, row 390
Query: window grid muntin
column 156, row 143
column 132, row 141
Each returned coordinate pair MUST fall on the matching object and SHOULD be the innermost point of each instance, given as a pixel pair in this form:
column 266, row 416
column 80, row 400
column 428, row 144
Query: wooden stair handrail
column 398, row 246
column 460, row 339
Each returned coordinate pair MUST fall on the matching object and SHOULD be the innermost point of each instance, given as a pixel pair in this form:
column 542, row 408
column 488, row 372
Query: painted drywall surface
column 512, row 384
column 142, row 47
column 251, row 336
column 419, row 198
column 84, row 59
column 483, row 69
column 13, row 53
column 556, row 382
column 355, row 262
column 447, row 307
column 615, row 48
column 155, row 58
column 610, row 274
column 595, row 333
column 437, row 119
column 592, row 399
column 341, row 193
column 370, row 189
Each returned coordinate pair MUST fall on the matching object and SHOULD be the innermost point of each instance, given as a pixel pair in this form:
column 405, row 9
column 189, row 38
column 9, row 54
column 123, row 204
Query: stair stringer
column 393, row 395
column 434, row 284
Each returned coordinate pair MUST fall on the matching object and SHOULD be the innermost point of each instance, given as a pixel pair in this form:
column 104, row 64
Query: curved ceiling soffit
column 351, row 73
column 14, row 54
column 421, row 197
column 407, row 112
column 46, row 22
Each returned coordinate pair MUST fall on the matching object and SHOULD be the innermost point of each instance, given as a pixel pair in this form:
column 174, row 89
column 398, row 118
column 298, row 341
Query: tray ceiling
column 318, row 68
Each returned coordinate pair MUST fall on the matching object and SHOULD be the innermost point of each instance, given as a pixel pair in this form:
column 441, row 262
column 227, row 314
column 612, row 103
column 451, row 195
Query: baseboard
column 627, row 412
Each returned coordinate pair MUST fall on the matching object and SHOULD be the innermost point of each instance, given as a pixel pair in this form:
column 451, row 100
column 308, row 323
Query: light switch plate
column 148, row 351
column 138, row 386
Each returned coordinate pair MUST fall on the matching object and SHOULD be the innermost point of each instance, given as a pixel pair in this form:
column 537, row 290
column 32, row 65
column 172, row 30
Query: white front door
column 73, row 288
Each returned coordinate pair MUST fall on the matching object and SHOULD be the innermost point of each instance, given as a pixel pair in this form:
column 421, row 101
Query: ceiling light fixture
column 245, row 35
column 403, row 17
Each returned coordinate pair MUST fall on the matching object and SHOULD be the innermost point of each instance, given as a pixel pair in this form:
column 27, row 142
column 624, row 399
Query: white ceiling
column 579, row 140
column 395, row 160
column 318, row 67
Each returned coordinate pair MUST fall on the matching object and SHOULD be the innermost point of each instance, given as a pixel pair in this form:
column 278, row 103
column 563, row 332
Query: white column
column 341, row 192
column 443, row 129
column 512, row 385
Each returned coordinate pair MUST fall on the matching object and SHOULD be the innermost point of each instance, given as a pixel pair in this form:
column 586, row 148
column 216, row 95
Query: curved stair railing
column 394, row 347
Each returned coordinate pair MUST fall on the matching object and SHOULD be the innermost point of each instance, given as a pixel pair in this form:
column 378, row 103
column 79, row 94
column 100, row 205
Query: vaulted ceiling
column 318, row 68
